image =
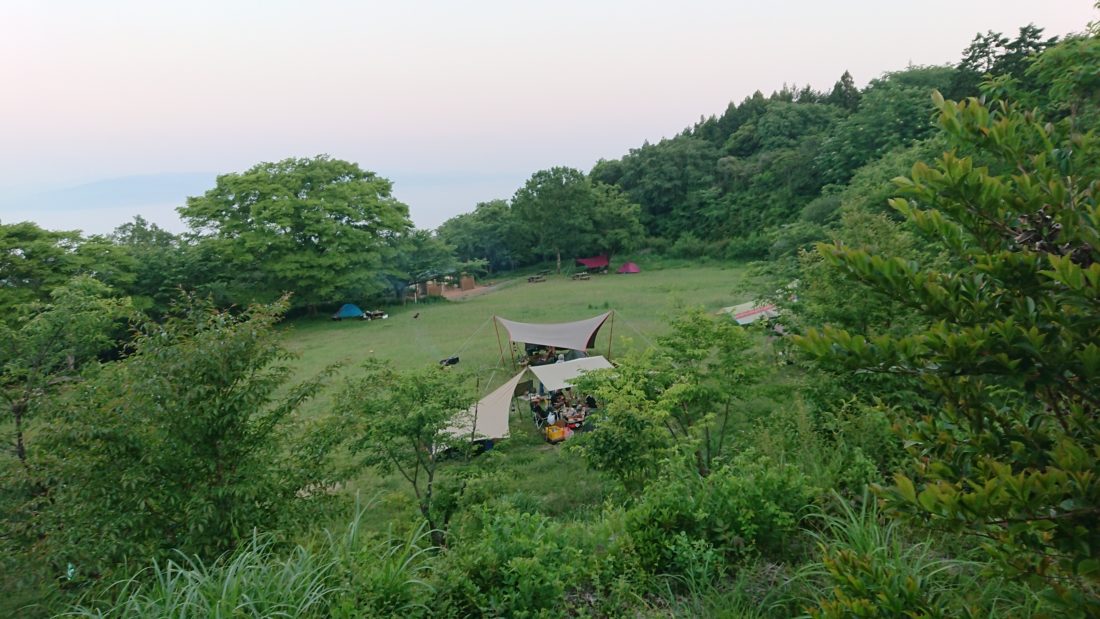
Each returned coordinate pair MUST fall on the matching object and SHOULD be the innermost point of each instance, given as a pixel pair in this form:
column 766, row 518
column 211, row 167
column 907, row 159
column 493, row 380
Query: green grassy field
column 642, row 304
column 523, row 464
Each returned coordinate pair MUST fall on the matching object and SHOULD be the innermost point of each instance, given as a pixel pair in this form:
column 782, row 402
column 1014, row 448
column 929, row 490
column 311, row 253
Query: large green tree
column 615, row 222
column 993, row 54
column 417, row 256
column 158, row 264
column 491, row 232
column 315, row 227
column 686, row 390
column 33, row 262
column 554, row 206
column 893, row 112
column 671, row 181
column 560, row 209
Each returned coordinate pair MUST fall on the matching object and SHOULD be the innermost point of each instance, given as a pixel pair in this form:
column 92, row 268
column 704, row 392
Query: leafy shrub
column 506, row 563
column 1008, row 344
column 788, row 240
column 821, row 209
column 750, row 247
column 748, row 506
column 689, row 246
column 187, row 445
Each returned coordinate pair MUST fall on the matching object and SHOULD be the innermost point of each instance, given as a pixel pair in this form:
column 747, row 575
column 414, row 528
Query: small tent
column 629, row 267
column 348, row 310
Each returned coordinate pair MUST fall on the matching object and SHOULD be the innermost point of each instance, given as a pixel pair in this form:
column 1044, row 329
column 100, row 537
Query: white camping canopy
column 579, row 335
column 750, row 312
column 557, row 375
column 489, row 417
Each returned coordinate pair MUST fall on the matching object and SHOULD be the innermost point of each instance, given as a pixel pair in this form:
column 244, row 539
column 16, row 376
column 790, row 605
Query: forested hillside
column 915, row 433
column 728, row 185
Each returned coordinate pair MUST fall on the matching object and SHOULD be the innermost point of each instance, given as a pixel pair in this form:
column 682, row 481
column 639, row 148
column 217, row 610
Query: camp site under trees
column 825, row 353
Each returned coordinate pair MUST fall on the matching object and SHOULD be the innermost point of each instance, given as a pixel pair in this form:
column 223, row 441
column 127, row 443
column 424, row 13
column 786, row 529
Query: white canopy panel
column 579, row 335
column 750, row 312
column 557, row 375
column 489, row 417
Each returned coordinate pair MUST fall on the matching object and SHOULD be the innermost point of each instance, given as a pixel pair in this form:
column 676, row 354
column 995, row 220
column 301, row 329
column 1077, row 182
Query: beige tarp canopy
column 557, row 375
column 489, row 417
column 579, row 335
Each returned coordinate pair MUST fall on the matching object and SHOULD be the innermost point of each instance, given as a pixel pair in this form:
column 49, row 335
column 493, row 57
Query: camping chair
column 538, row 414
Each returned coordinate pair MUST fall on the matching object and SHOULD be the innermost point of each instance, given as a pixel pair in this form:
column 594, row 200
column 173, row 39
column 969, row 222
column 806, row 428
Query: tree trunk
column 17, row 410
column 437, row 535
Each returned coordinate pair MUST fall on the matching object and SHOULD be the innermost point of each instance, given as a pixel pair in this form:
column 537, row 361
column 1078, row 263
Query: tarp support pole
column 473, row 427
column 496, row 327
column 611, row 334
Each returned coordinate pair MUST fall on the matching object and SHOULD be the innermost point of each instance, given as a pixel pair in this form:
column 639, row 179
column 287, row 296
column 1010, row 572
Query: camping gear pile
column 560, row 415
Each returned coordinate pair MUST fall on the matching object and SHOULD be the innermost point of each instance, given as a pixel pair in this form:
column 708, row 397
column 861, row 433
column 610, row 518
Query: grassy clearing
column 642, row 303
column 553, row 481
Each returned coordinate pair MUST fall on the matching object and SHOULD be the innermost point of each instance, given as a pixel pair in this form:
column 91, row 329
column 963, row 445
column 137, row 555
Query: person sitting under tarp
column 538, row 413
column 566, row 410
column 542, row 356
column 557, row 400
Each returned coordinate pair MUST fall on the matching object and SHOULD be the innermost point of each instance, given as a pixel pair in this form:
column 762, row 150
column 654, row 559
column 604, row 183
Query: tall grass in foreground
column 249, row 582
column 347, row 575
column 871, row 566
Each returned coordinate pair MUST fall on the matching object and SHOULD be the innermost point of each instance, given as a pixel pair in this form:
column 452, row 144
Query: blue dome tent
column 348, row 310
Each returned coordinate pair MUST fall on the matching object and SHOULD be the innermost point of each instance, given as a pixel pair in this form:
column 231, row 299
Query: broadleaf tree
column 48, row 345
column 315, row 227
column 188, row 444
column 553, row 207
column 401, row 421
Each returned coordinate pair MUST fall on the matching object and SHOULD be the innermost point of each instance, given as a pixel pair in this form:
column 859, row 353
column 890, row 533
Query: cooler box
column 555, row 434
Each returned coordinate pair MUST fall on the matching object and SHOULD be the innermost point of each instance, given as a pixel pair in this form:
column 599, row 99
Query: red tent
column 595, row 262
column 629, row 267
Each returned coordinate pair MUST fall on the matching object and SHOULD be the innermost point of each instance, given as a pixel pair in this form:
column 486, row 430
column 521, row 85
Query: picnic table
column 534, row 279
column 581, row 276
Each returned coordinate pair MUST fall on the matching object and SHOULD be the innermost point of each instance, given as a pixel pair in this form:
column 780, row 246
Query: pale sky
column 112, row 108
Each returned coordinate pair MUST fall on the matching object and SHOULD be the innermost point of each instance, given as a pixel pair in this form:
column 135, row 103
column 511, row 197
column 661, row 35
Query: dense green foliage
column 1011, row 341
column 401, row 422
column 682, row 393
column 186, row 445
column 314, row 227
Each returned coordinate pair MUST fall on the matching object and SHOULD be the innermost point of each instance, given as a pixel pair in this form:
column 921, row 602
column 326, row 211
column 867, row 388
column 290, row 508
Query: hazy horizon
column 125, row 108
